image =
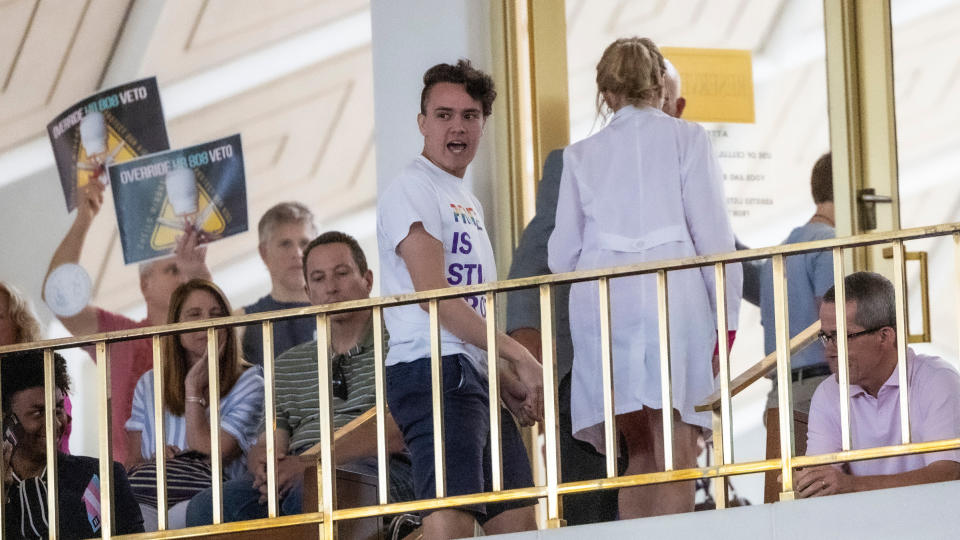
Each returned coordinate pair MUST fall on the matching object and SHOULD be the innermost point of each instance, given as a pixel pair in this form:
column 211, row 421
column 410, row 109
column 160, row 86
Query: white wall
column 912, row 512
column 433, row 32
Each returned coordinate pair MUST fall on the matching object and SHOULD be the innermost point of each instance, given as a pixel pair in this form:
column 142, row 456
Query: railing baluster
column 436, row 389
column 493, row 375
column 327, row 470
column 3, row 470
column 106, row 432
column 784, row 379
column 380, row 390
column 50, row 421
column 666, row 379
column 216, row 457
column 900, row 290
column 160, row 443
column 606, row 365
column 720, row 483
column 726, row 411
column 270, row 416
column 843, row 360
column 724, row 455
column 550, row 423
column 553, row 489
column 956, row 279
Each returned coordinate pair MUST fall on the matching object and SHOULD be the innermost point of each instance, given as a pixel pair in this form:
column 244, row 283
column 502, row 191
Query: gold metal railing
column 328, row 514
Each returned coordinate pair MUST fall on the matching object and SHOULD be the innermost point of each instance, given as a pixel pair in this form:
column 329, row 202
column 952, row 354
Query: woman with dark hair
column 186, row 394
column 646, row 187
column 19, row 324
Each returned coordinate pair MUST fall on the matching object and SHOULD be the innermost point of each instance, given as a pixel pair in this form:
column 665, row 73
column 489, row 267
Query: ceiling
column 293, row 77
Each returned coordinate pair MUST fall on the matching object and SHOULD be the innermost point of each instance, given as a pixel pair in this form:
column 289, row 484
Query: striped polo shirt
column 297, row 397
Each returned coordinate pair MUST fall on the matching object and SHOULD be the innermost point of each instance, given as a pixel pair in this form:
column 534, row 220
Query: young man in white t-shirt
column 432, row 235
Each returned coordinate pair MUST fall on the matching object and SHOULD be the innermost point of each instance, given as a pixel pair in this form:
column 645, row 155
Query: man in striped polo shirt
column 335, row 269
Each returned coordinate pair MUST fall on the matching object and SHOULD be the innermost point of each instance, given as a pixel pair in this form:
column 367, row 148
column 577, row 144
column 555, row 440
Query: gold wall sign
column 717, row 83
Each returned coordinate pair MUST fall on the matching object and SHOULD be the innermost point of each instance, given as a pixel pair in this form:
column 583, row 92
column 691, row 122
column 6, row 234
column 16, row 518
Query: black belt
column 808, row 372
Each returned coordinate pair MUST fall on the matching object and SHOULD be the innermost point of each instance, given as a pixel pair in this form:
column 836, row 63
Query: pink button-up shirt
column 934, row 395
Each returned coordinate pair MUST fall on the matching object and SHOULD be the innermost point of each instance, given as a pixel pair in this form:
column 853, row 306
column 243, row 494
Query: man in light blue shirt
column 808, row 277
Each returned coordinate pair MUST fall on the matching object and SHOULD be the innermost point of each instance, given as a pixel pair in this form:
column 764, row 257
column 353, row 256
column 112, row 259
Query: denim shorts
column 466, row 420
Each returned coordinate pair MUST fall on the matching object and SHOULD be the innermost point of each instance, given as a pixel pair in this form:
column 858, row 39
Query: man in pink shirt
column 128, row 359
column 934, row 394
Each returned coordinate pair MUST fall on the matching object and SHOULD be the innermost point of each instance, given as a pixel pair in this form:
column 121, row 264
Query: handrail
column 915, row 233
column 553, row 488
column 364, row 422
column 759, row 370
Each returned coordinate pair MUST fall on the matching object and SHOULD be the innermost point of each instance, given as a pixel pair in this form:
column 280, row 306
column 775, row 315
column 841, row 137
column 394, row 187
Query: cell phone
column 13, row 431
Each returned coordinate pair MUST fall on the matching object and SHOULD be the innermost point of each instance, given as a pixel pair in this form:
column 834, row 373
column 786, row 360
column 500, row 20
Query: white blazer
column 647, row 187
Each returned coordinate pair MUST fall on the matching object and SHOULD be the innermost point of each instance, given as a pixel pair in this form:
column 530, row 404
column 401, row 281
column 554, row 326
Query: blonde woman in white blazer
column 647, row 187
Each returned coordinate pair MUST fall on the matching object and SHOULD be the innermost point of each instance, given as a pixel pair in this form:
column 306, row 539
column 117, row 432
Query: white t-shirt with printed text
column 452, row 214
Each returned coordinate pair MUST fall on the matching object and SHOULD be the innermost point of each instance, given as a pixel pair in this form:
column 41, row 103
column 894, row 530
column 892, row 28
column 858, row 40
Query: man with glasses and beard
column 934, row 393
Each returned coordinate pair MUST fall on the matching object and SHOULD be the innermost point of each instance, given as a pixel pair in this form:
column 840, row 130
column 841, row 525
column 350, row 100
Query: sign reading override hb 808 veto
column 109, row 127
column 158, row 196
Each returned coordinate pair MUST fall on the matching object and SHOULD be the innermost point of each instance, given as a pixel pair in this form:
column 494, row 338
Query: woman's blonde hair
column 175, row 365
column 21, row 313
column 631, row 68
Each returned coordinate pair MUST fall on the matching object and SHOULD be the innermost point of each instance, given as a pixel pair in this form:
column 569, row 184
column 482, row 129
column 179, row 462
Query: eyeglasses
column 339, row 380
column 830, row 338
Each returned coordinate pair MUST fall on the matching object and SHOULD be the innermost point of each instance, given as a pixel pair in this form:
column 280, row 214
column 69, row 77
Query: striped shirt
column 297, row 395
column 78, row 501
column 241, row 413
column 29, row 508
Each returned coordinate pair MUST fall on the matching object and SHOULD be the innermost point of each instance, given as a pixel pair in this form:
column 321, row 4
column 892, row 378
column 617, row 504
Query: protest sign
column 158, row 196
column 112, row 126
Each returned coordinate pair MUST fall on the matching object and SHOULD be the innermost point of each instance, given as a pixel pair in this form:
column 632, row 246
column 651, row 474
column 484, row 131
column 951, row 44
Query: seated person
column 158, row 278
column 875, row 399
column 19, row 324
column 186, row 397
column 284, row 230
column 25, row 461
column 336, row 270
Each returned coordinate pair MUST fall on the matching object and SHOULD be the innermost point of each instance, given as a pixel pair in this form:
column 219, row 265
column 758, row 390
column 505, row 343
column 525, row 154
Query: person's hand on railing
column 820, row 481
